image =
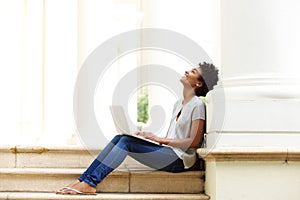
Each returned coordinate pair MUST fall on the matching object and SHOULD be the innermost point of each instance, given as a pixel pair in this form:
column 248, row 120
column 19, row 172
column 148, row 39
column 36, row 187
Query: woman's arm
column 196, row 135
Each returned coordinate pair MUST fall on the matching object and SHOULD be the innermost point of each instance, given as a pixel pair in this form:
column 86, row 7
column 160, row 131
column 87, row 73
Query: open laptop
column 121, row 123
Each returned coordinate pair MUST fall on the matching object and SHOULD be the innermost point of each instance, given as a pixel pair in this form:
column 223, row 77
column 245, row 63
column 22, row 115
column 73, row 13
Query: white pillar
column 260, row 76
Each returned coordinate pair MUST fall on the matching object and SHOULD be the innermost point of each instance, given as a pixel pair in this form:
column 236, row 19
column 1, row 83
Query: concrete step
column 101, row 196
column 46, row 169
column 45, row 157
column 121, row 180
column 48, row 157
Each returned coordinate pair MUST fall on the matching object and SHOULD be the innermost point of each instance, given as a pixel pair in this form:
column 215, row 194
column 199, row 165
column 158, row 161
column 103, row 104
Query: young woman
column 176, row 151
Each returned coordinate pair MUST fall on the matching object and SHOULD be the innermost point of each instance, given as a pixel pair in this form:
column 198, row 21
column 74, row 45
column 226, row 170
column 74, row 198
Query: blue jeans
column 153, row 155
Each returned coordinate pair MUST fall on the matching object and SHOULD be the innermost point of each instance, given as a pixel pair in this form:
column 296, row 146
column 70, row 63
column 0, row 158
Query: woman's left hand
column 151, row 136
column 146, row 134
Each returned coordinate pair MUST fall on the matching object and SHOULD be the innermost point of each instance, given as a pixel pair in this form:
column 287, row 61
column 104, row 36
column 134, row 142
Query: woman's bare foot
column 68, row 186
column 81, row 187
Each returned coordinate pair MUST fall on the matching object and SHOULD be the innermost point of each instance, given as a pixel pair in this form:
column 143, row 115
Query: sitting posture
column 174, row 153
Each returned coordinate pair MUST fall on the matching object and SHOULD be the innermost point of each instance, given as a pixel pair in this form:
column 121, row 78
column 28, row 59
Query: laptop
column 121, row 123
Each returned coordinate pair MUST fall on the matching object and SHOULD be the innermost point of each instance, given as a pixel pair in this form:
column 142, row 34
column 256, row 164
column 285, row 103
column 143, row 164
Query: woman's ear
column 199, row 84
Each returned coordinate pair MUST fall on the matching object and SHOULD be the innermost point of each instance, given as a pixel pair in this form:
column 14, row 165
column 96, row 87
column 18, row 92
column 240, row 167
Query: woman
column 176, row 151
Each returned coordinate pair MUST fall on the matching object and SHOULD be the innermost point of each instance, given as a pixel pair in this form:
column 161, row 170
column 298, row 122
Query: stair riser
column 120, row 182
column 51, row 183
column 51, row 159
column 8, row 159
column 174, row 183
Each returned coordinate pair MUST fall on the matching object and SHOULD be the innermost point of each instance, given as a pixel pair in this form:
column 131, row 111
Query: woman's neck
column 188, row 94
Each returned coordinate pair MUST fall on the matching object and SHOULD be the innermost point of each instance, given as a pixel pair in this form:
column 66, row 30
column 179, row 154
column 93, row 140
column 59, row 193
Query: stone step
column 48, row 157
column 120, row 181
column 45, row 157
column 46, row 169
column 101, row 196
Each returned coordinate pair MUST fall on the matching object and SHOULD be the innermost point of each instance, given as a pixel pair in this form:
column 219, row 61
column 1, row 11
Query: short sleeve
column 198, row 110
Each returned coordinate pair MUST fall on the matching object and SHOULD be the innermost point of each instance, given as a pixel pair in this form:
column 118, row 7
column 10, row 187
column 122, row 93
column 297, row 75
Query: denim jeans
column 155, row 156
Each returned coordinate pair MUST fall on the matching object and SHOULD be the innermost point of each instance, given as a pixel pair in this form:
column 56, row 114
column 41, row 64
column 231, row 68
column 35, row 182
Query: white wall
column 195, row 19
column 257, row 180
column 44, row 44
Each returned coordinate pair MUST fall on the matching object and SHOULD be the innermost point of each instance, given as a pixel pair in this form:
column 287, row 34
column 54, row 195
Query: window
column 45, row 42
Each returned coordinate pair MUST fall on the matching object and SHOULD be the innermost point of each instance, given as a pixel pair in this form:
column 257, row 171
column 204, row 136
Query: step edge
column 113, row 196
column 120, row 171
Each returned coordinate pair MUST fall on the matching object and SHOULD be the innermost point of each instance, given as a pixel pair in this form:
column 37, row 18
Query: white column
column 260, row 74
column 260, row 130
column 59, row 73
column 11, row 22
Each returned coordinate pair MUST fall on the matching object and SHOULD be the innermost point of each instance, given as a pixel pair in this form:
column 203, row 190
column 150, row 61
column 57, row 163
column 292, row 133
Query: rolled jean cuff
column 87, row 181
column 80, row 179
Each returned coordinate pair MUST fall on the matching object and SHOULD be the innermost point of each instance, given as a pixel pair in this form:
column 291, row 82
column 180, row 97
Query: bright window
column 45, row 42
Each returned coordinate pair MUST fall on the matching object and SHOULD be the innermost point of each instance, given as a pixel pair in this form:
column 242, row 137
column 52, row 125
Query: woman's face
column 191, row 78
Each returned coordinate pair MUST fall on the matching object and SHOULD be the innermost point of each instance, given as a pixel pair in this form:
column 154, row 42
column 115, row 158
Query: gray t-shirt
column 192, row 110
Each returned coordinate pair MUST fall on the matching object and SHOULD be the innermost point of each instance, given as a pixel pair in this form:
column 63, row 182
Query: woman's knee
column 116, row 139
column 126, row 142
column 126, row 139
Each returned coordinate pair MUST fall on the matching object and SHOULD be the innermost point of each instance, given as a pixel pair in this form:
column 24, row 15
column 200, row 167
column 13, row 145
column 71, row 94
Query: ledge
column 100, row 196
column 250, row 154
column 44, row 149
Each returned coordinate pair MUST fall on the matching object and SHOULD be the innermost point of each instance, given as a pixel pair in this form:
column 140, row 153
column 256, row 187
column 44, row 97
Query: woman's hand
column 150, row 136
column 145, row 134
